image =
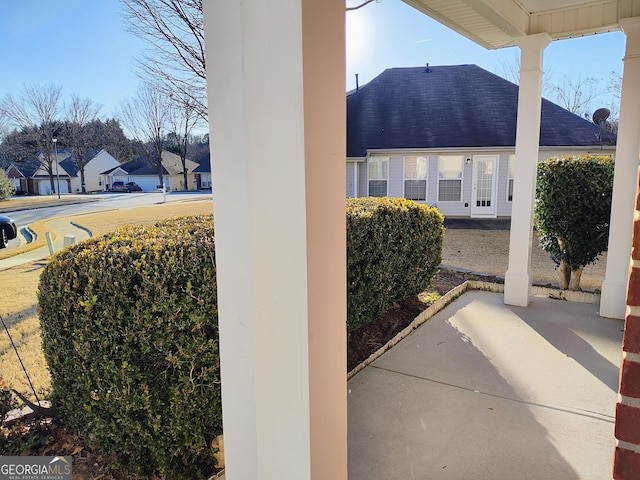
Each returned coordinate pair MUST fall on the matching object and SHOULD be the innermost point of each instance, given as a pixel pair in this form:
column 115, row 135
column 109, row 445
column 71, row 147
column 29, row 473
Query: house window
column 450, row 178
column 415, row 178
column 512, row 164
column 378, row 171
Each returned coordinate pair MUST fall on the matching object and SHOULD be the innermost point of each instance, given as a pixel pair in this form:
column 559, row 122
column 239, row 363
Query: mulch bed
column 370, row 338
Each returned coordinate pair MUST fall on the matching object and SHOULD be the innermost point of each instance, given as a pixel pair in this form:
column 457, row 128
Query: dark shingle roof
column 450, row 106
column 139, row 166
column 28, row 168
column 204, row 165
column 70, row 166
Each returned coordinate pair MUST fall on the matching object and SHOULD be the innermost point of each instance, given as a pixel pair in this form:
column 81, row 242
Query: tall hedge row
column 394, row 249
column 129, row 325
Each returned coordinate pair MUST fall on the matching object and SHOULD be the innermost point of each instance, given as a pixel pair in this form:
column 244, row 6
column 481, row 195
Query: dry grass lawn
column 19, row 301
column 477, row 250
column 487, row 251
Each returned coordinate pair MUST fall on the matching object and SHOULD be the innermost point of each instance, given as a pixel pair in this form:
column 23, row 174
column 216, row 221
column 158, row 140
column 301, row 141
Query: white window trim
column 386, row 180
column 405, row 178
column 450, row 202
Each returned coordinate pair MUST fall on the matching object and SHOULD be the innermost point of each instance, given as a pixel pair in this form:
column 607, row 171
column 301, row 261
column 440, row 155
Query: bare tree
column 614, row 91
column 182, row 119
column 615, row 87
column 577, row 95
column 174, row 31
column 38, row 109
column 510, row 70
column 360, row 5
column 81, row 112
column 4, row 127
column 146, row 116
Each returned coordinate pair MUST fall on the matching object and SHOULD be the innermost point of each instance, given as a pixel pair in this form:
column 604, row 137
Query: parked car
column 8, row 230
column 125, row 187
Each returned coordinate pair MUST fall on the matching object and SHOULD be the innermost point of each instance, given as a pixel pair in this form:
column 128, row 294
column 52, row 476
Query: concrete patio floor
column 488, row 391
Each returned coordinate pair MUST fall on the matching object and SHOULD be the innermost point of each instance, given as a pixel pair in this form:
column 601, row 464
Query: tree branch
column 366, row 2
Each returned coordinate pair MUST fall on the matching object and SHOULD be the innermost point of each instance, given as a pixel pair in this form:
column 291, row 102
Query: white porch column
column 614, row 284
column 275, row 73
column 518, row 277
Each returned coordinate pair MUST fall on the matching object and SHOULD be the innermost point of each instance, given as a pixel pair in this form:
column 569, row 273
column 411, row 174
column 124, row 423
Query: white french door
column 483, row 196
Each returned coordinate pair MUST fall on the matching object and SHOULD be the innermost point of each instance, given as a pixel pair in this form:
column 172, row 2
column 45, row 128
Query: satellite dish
column 600, row 116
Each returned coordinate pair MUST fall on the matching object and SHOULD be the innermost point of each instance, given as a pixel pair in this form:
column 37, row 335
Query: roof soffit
column 497, row 23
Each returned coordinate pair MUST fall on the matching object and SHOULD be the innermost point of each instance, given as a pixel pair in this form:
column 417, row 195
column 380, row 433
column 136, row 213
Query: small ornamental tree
column 6, row 187
column 572, row 212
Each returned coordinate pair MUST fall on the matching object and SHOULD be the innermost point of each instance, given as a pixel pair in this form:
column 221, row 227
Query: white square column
column 614, row 284
column 275, row 72
column 518, row 278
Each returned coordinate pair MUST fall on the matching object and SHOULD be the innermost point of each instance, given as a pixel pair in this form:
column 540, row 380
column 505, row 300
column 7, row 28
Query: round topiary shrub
column 394, row 249
column 130, row 334
column 573, row 211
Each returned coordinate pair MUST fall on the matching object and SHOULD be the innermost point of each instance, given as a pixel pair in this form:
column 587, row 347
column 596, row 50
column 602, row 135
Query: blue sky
column 393, row 34
column 82, row 46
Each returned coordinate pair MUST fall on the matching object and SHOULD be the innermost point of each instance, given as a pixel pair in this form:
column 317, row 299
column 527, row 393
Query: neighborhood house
column 32, row 178
column 143, row 172
column 445, row 136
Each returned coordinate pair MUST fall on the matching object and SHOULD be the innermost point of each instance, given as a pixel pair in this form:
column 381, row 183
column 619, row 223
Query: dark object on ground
column 8, row 230
column 477, row 223
column 125, row 187
column 38, row 409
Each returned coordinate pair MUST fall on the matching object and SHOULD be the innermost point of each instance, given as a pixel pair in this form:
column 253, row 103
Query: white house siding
column 363, row 179
column 76, row 185
column 395, row 184
column 503, row 203
column 432, row 180
column 395, row 187
column 453, row 209
column 351, row 179
column 176, row 182
column 103, row 161
column 147, row 183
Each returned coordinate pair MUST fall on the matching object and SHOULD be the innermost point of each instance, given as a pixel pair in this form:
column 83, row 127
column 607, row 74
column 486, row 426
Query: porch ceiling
column 497, row 23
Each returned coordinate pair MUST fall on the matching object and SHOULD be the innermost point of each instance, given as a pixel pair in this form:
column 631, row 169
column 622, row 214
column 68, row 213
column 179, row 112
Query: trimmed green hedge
column 129, row 325
column 573, row 211
column 394, row 249
column 130, row 334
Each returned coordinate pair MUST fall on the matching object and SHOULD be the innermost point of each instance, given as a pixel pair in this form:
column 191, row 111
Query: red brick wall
column 627, row 457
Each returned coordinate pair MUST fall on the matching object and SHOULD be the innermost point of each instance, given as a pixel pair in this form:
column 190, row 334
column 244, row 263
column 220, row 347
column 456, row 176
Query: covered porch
column 487, row 390
column 277, row 108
